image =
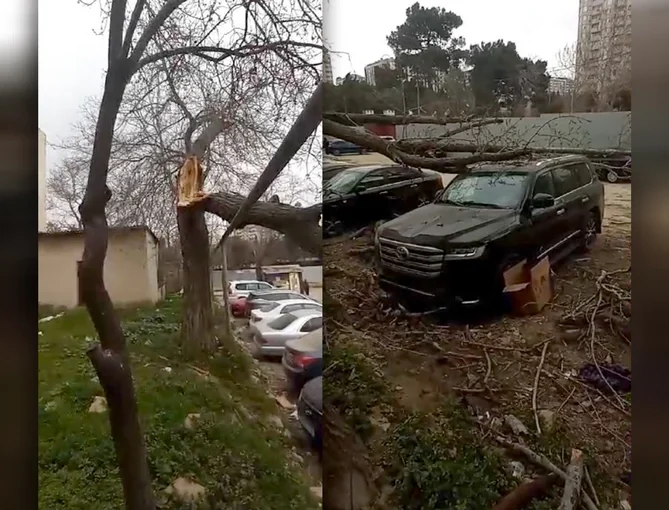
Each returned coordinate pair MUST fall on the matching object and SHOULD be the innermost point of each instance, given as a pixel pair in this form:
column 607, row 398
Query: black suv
column 456, row 249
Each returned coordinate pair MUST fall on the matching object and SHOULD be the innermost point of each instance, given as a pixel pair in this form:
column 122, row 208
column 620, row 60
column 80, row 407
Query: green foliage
column 353, row 388
column 500, row 74
column 436, row 461
column 232, row 450
column 425, row 43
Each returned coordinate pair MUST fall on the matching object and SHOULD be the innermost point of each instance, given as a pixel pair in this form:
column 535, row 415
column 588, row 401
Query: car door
column 547, row 225
column 587, row 198
column 401, row 189
column 370, row 197
column 568, row 201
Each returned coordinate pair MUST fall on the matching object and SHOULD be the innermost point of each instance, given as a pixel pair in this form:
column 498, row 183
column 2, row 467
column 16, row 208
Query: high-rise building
column 370, row 68
column 327, row 67
column 604, row 47
column 41, row 181
column 560, row 85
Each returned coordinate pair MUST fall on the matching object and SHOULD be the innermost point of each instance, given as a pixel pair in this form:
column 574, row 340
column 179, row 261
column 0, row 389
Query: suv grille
column 423, row 261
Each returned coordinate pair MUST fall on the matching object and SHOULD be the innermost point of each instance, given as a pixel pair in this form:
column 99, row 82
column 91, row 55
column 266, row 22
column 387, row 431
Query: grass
column 233, row 451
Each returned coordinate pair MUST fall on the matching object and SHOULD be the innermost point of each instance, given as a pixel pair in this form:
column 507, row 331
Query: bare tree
column 199, row 31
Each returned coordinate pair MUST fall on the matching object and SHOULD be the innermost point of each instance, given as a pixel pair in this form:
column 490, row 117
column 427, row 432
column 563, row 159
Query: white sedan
column 272, row 309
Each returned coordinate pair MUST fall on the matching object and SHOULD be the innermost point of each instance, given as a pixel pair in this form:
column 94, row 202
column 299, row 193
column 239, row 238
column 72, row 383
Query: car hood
column 312, row 392
column 438, row 225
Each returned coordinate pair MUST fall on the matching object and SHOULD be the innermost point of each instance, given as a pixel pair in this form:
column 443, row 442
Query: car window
column 399, row 174
column 252, row 286
column 565, row 179
column 292, row 308
column 241, row 286
column 282, row 321
column 372, row 180
column 264, row 286
column 584, row 174
column 312, row 325
column 544, row 184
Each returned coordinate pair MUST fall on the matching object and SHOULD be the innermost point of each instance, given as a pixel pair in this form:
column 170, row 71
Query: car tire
column 335, row 152
column 611, row 176
column 590, row 226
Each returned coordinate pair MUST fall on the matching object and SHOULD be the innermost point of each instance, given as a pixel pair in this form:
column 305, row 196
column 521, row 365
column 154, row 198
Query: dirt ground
column 492, row 366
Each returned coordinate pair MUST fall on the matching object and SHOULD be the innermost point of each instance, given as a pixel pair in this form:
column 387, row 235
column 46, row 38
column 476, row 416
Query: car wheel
column 589, row 231
column 335, row 152
column 611, row 176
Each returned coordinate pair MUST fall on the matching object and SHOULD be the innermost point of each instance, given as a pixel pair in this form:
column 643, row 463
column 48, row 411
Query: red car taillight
column 303, row 360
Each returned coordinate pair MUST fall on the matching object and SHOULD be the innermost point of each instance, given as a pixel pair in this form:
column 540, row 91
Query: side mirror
column 542, row 201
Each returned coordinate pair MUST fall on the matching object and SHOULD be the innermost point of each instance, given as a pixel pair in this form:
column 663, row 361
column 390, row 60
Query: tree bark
column 300, row 225
column 197, row 324
column 110, row 359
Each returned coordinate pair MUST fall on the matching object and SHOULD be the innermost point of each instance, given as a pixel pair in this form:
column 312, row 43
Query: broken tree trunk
column 197, row 324
column 522, row 495
column 110, row 358
column 571, row 497
column 358, row 119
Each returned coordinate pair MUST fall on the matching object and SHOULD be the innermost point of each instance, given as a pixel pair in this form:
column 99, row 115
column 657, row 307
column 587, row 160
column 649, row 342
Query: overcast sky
column 539, row 29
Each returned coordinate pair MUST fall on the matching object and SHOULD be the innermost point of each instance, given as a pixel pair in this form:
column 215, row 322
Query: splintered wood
column 190, row 182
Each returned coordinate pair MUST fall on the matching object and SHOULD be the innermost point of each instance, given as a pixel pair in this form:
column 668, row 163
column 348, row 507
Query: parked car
column 238, row 291
column 613, row 169
column 273, row 309
column 455, row 250
column 340, row 147
column 360, row 195
column 303, row 360
column 331, row 169
column 270, row 337
column 260, row 299
column 310, row 411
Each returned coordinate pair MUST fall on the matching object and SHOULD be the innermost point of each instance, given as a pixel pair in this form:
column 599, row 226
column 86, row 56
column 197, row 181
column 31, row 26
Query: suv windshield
column 495, row 190
column 343, row 182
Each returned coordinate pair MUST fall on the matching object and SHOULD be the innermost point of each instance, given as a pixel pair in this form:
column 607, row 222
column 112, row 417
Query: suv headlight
column 464, row 253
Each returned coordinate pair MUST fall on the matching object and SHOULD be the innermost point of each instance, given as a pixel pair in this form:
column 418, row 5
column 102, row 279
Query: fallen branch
column 572, row 487
column 299, row 225
column 522, row 495
column 358, row 119
column 536, row 386
column 541, row 461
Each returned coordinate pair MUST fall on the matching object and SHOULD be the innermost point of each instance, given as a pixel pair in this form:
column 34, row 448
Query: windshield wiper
column 482, row 204
column 450, row 201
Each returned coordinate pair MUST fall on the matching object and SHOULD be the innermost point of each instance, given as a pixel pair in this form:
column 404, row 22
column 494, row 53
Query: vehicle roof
column 247, row 281
column 371, row 168
column 297, row 301
column 312, row 392
column 274, row 291
column 528, row 166
column 304, row 313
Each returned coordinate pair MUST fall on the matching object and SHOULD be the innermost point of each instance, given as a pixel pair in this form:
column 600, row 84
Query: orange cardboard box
column 528, row 288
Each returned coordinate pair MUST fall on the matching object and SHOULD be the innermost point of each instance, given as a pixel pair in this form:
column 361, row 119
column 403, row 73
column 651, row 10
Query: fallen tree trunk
column 358, row 119
column 391, row 150
column 523, row 495
column 300, row 225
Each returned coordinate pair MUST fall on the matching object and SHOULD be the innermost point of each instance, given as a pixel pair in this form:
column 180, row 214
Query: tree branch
column 299, row 225
column 358, row 119
column 132, row 26
column 223, row 53
column 152, row 28
column 390, row 150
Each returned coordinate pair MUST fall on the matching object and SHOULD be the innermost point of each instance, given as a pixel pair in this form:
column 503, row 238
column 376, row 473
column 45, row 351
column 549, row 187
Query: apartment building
column 328, row 77
column 370, row 68
column 604, row 46
column 560, row 85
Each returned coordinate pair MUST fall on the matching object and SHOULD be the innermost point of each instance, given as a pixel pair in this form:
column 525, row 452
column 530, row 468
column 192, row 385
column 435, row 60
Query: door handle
column 383, row 192
column 559, row 212
column 585, row 199
column 414, row 186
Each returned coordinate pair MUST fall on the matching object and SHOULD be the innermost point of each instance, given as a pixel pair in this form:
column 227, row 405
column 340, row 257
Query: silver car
column 273, row 309
column 269, row 337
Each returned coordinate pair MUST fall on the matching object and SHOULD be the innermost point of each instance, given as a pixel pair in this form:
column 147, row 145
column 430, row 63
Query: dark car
column 340, row 147
column 332, row 169
column 455, row 250
column 361, row 195
column 303, row 360
column 613, row 169
column 310, row 411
